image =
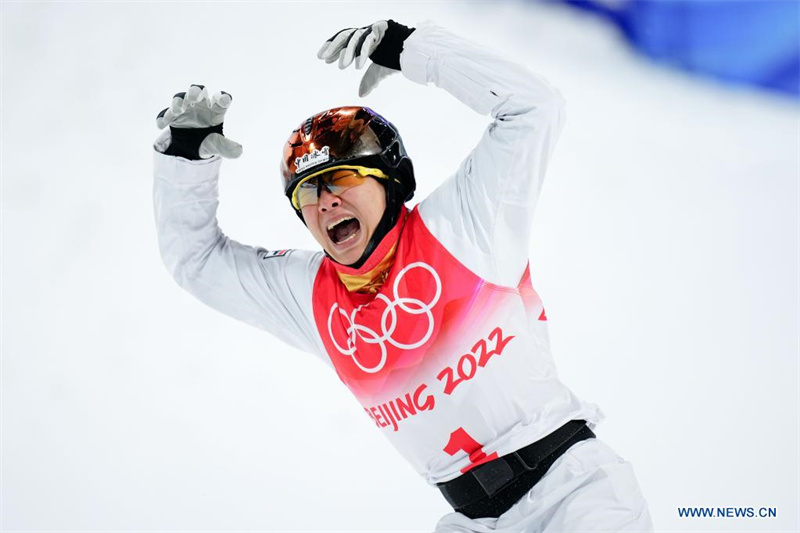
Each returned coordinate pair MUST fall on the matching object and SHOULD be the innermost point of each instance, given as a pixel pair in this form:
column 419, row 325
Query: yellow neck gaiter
column 370, row 281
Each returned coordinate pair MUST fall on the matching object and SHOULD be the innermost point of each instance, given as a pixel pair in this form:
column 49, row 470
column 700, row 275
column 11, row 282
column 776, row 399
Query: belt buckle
column 496, row 475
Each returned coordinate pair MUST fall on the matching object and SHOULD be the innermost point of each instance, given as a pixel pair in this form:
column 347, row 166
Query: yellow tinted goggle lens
column 342, row 178
column 336, row 181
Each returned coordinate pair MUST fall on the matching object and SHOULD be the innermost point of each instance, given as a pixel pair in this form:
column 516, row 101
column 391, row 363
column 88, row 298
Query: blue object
column 739, row 41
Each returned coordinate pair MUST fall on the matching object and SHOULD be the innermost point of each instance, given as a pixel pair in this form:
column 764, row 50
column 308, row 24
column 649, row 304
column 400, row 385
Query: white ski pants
column 589, row 488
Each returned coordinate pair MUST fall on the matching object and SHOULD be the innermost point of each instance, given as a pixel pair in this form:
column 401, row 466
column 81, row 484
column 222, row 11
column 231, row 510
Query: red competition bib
column 425, row 307
column 452, row 368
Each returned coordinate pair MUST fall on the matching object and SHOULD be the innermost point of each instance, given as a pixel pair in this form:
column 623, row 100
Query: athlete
column 427, row 314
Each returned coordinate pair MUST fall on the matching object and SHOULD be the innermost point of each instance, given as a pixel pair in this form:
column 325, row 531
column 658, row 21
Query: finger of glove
column 324, row 48
column 196, row 95
column 379, row 31
column 372, row 77
column 346, row 58
column 335, row 45
column 220, row 103
column 216, row 144
column 335, row 58
column 177, row 105
column 169, row 115
column 369, row 40
column 165, row 118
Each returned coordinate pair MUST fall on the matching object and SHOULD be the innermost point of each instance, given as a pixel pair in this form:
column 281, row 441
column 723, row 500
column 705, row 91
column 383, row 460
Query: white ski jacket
column 451, row 359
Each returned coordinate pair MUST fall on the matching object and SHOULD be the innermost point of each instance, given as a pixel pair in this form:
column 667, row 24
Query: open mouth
column 343, row 230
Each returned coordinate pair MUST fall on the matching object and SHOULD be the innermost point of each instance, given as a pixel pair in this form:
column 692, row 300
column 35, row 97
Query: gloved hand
column 195, row 126
column 382, row 42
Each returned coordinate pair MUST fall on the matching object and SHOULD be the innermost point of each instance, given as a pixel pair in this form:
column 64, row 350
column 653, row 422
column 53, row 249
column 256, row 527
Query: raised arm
column 483, row 213
column 269, row 290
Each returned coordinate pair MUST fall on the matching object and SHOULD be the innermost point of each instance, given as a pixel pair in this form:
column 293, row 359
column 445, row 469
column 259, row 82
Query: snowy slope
column 665, row 250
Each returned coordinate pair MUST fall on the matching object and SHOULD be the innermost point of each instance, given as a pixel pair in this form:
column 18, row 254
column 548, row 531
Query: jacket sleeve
column 482, row 214
column 269, row 290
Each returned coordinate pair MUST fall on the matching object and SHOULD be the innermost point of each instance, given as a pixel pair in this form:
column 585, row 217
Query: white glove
column 382, row 42
column 195, row 126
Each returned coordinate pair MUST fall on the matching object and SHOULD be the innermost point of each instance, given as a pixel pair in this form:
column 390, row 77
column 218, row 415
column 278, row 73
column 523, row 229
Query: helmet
column 347, row 137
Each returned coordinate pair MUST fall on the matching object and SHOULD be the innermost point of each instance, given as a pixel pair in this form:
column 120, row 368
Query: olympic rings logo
column 412, row 306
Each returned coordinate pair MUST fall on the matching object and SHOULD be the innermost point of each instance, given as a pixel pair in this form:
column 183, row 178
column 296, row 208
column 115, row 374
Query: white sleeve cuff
column 414, row 58
column 182, row 170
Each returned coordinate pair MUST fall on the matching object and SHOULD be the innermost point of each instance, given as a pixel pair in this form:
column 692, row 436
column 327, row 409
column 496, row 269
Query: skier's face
column 344, row 223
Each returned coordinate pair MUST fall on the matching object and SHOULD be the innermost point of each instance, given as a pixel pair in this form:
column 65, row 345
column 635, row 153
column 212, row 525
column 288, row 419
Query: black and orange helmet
column 355, row 138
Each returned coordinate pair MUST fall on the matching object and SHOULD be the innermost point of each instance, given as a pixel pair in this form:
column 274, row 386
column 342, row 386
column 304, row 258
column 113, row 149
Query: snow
column 665, row 250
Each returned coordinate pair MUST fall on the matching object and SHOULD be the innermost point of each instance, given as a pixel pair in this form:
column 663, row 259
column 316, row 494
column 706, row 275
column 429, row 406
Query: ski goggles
column 335, row 180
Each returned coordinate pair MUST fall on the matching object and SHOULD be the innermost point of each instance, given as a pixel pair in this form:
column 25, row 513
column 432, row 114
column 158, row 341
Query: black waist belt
column 490, row 489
